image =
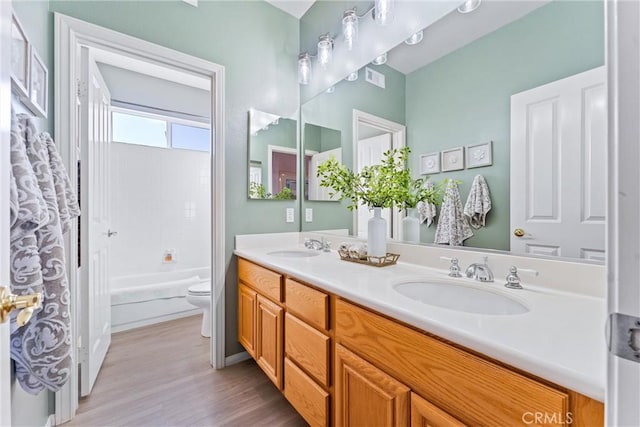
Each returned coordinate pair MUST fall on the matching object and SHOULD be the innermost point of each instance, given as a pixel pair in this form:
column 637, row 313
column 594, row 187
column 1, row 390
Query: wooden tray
column 376, row 261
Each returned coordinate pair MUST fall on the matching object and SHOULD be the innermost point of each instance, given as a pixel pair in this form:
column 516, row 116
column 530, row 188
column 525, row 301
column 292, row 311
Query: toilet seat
column 201, row 289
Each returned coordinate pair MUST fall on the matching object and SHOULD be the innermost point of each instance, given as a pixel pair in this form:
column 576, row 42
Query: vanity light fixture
column 304, row 68
column 350, row 27
column 469, row 6
column 415, row 38
column 379, row 60
column 352, row 77
column 383, row 11
column 325, row 50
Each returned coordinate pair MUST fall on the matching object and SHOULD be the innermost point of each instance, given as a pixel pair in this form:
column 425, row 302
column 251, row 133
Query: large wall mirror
column 508, row 75
column 273, row 156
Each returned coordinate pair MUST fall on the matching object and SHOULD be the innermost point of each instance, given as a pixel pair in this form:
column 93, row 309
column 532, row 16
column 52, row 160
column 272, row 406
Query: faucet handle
column 513, row 280
column 454, row 268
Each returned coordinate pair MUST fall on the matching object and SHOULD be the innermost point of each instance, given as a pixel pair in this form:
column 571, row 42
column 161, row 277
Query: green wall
column 464, row 98
column 335, row 111
column 258, row 45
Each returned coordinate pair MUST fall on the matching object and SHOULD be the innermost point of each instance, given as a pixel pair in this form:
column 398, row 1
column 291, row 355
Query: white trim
column 398, row 140
column 237, row 358
column 69, row 34
column 623, row 197
column 51, row 421
column 276, row 149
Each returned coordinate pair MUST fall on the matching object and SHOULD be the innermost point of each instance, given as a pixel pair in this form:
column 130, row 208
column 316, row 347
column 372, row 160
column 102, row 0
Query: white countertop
column 561, row 338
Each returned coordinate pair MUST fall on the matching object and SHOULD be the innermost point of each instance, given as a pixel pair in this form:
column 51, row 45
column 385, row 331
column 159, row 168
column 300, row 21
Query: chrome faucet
column 480, row 271
column 454, row 268
column 319, row 245
column 513, row 280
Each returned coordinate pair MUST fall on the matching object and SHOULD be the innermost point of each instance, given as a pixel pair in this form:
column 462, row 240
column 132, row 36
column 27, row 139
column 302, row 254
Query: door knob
column 27, row 304
column 519, row 232
column 112, row 233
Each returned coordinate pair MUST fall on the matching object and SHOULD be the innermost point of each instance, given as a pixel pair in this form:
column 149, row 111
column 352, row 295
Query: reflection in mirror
column 273, row 156
column 321, row 143
column 455, row 89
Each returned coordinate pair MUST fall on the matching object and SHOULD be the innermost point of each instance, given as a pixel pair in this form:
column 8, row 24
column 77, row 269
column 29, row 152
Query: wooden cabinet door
column 367, row 396
column 269, row 339
column 425, row 414
column 247, row 318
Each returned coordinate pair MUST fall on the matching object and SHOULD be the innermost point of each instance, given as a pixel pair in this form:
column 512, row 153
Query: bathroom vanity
column 345, row 347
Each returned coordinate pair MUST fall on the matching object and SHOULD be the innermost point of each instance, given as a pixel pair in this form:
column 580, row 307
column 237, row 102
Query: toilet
column 200, row 296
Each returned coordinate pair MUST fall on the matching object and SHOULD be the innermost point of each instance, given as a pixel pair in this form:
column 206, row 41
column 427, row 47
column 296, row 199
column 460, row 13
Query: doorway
column 72, row 36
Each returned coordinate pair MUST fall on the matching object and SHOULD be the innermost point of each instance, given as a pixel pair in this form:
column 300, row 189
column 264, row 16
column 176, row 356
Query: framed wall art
column 429, row 163
column 480, row 155
column 38, row 84
column 19, row 59
column 452, row 159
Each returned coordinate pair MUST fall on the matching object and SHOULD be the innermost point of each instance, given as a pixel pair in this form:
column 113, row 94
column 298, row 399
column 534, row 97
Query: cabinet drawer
column 307, row 303
column 308, row 347
column 262, row 280
column 472, row 389
column 309, row 399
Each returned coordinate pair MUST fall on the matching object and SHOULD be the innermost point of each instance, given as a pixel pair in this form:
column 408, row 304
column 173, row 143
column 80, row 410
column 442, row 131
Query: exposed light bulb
column 383, row 11
column 379, row 60
column 350, row 27
column 469, row 6
column 325, row 50
column 304, row 68
column 415, row 38
column 352, row 77
column 331, row 89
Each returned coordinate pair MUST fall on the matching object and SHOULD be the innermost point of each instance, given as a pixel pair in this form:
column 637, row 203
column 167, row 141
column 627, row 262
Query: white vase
column 377, row 234
column 411, row 226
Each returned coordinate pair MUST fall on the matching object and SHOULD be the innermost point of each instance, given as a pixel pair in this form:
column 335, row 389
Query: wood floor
column 160, row 375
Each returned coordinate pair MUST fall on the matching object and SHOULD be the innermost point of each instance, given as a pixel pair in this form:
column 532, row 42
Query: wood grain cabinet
column 366, row 395
column 343, row 364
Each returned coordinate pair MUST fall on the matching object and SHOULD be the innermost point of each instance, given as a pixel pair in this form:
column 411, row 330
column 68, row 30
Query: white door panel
column 370, row 152
column 95, row 298
column 558, row 167
column 5, row 124
column 316, row 192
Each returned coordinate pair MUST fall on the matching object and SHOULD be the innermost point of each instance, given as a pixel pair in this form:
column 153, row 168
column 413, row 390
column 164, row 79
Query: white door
column 370, row 152
column 623, row 229
column 558, row 167
column 316, row 192
column 95, row 299
column 5, row 124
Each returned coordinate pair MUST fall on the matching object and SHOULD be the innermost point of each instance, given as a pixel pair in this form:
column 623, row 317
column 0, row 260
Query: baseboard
column 51, row 421
column 236, row 358
column 157, row 319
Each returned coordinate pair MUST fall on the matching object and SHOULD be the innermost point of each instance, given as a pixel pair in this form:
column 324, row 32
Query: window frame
column 169, row 120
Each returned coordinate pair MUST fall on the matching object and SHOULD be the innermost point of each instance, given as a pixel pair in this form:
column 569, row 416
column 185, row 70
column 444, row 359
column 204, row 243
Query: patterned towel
column 426, row 210
column 452, row 226
column 42, row 348
column 478, row 203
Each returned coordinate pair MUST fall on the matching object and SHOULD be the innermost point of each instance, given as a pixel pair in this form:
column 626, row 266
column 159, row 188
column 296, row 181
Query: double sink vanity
column 350, row 344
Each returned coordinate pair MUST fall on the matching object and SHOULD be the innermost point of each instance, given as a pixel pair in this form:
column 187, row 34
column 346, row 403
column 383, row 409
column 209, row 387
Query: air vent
column 374, row 77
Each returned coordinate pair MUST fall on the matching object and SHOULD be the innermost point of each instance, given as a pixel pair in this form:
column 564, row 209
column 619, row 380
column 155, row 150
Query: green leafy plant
column 284, row 194
column 385, row 185
column 258, row 191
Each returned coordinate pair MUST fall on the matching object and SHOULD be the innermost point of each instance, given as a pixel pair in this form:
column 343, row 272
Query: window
column 190, row 137
column 154, row 130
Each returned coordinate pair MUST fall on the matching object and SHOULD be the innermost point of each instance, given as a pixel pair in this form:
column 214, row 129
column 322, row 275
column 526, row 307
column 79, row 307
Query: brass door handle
column 27, row 304
column 519, row 232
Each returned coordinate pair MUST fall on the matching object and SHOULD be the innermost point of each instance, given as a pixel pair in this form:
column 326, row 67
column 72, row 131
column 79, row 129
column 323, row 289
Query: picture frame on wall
column 19, row 59
column 452, row 159
column 480, row 155
column 38, row 84
column 429, row 163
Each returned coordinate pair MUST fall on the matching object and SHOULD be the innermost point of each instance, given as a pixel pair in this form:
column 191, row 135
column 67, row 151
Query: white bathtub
column 152, row 298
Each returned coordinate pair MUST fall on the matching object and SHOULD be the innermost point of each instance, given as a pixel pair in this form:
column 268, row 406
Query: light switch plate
column 308, row 214
column 289, row 215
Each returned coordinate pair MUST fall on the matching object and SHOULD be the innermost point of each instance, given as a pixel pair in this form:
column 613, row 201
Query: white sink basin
column 295, row 253
column 461, row 298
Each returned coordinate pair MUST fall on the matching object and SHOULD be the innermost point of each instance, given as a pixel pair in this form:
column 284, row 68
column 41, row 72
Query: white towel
column 426, row 210
column 452, row 228
column 478, row 203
